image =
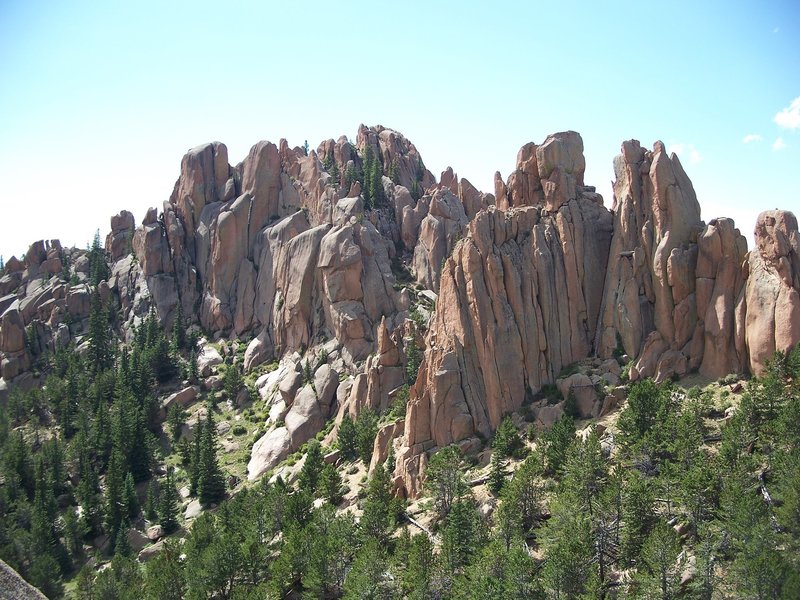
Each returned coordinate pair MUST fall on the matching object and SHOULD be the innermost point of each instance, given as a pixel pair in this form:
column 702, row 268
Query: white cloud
column 684, row 150
column 751, row 137
column 779, row 145
column 789, row 118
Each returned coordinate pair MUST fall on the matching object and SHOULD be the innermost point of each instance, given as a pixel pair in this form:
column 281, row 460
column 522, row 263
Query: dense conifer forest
column 696, row 495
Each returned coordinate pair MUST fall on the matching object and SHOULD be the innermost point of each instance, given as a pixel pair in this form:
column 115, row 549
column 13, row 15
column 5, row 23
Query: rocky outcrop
column 119, row 239
column 438, row 232
column 772, row 321
column 522, row 295
column 547, row 175
column 720, row 300
column 674, row 294
column 14, row 587
column 283, row 251
column 655, row 213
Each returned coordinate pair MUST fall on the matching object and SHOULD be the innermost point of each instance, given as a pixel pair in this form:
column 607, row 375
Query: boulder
column 193, row 509
column 12, row 330
column 207, row 360
column 151, row 551
column 155, row 532
column 268, row 451
column 137, row 540
column 182, row 397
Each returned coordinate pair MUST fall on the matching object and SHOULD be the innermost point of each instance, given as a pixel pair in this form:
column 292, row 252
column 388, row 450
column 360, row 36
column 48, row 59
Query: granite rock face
column 284, row 252
column 521, row 296
column 772, row 321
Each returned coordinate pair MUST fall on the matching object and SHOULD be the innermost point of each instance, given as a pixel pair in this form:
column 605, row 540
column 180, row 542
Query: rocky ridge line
column 287, row 251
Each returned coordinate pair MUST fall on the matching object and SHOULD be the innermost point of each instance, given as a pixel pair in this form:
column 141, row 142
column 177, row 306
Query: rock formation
column 772, row 321
column 289, row 253
column 673, row 284
column 521, row 296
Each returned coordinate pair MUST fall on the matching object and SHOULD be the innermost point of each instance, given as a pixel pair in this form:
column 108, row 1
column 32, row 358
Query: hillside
column 325, row 372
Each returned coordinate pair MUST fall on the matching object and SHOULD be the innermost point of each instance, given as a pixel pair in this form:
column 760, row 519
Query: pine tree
column 366, row 430
column 194, row 373
column 413, row 360
column 179, row 329
column 114, row 501
column 312, row 468
column 129, row 498
column 122, row 546
column 210, row 482
column 165, row 574
column 556, row 442
column 331, row 483
column 464, row 533
column 507, row 441
column 232, row 382
column 497, row 474
column 168, row 503
column 100, row 354
column 367, row 578
column 417, row 577
column 445, row 479
column 368, row 187
column 347, row 437
column 176, row 418
column 98, row 268
column 194, row 465
column 335, row 174
column 377, row 192
column 350, row 175
column 376, row 519
column 151, row 503
column 394, row 171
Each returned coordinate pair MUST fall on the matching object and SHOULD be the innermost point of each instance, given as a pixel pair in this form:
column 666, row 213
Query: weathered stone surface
column 268, row 451
column 151, row 551
column 14, row 587
column 384, row 438
column 12, row 330
column 207, row 359
column 193, row 509
column 773, row 288
column 155, row 532
column 441, row 228
column 522, row 292
column 119, row 241
column 305, row 417
column 656, row 219
column 183, row 398
column 720, row 299
column 580, row 386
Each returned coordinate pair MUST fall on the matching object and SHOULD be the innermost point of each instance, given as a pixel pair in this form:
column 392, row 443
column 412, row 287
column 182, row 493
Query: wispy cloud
column 789, row 117
column 685, row 150
column 751, row 137
column 779, row 145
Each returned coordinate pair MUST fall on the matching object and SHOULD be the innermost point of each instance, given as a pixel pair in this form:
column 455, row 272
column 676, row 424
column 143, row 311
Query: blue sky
column 98, row 102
